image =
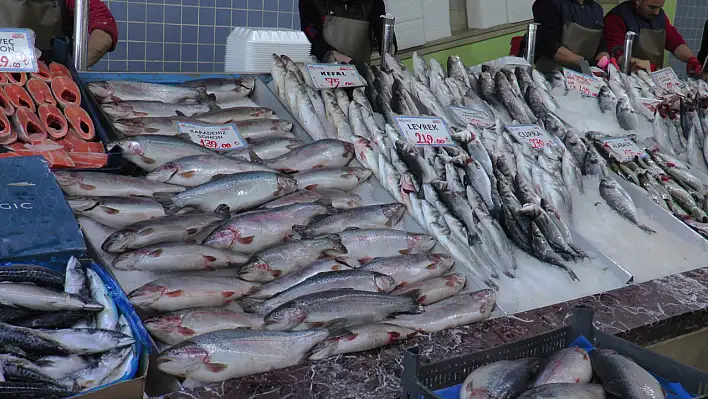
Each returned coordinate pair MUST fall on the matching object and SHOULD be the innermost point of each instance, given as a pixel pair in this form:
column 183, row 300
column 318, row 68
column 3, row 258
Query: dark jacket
column 552, row 16
column 313, row 12
column 704, row 46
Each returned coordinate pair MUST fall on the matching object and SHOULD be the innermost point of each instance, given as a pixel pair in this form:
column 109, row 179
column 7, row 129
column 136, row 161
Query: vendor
column 49, row 18
column 703, row 54
column 654, row 32
column 569, row 32
column 344, row 30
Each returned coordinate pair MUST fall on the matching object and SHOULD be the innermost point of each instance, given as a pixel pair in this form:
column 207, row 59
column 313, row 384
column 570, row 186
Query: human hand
column 694, row 67
column 640, row 64
column 341, row 58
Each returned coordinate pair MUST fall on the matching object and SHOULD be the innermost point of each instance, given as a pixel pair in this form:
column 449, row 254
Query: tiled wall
column 186, row 35
column 691, row 16
column 458, row 15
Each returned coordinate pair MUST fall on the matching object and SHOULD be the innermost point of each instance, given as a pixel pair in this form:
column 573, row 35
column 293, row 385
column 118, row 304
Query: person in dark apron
column 342, row 30
column 703, row 54
column 569, row 32
column 50, row 18
column 654, row 32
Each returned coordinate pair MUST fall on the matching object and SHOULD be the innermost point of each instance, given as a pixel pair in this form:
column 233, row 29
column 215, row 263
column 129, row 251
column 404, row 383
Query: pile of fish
column 568, row 373
column 61, row 333
column 41, row 114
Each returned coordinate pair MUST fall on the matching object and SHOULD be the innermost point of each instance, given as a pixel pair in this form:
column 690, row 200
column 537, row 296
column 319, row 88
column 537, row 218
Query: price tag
column 423, row 131
column 666, row 79
column 472, row 117
column 17, row 51
column 623, row 148
column 584, row 84
column 332, row 76
column 533, row 135
column 215, row 137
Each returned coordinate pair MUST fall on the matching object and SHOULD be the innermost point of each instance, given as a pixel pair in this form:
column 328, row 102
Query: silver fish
column 240, row 191
column 59, row 366
column 409, row 269
column 434, row 290
column 566, row 391
column 151, row 126
column 607, row 99
column 150, row 152
column 361, row 339
column 169, row 257
column 274, row 147
column 622, row 377
column 504, row 379
column 618, row 199
column 459, row 310
column 176, row 228
column 326, row 153
column 340, row 199
column 141, row 109
column 96, row 372
column 367, row 217
column 331, row 178
column 278, row 71
column 194, row 170
column 109, row 185
column 176, row 327
column 361, row 280
column 572, row 175
column 86, row 341
column 365, row 245
column 116, row 212
column 318, row 267
column 233, row 114
column 75, row 279
column 242, row 85
column 177, row 293
column 221, row 355
column 505, row 94
column 568, row 365
column 626, row 116
column 308, row 114
column 259, row 129
column 119, row 90
column 340, row 308
column 251, row 232
column 43, row 299
column 106, row 319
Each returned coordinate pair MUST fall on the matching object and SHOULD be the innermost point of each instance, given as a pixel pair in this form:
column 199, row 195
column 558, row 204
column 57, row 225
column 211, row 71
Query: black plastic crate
column 420, row 380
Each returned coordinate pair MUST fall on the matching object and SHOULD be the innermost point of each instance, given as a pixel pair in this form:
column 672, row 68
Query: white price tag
column 586, row 85
column 472, row 117
column 423, row 131
column 332, row 76
column 17, row 51
column 215, row 137
column 666, row 79
column 533, row 135
column 623, row 148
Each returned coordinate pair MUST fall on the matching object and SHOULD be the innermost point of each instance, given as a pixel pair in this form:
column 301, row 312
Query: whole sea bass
column 150, row 152
column 118, row 90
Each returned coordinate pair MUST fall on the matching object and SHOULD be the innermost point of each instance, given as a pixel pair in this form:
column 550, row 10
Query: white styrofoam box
column 518, row 10
column 250, row 50
column 405, row 10
column 410, row 34
column 436, row 19
column 483, row 14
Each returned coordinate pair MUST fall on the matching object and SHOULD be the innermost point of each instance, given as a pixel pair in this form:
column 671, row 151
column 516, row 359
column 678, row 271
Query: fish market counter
column 646, row 313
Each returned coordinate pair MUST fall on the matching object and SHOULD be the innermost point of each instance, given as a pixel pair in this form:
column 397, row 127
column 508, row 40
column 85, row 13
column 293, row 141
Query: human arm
column 102, row 29
column 377, row 24
column 311, row 23
column 676, row 44
column 614, row 36
column 549, row 34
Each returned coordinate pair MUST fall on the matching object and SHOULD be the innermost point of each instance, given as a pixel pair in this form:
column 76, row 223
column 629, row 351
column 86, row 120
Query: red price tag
column 215, row 137
column 423, row 131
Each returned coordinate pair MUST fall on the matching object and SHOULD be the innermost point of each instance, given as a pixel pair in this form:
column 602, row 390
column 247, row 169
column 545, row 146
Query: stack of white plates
column 249, row 50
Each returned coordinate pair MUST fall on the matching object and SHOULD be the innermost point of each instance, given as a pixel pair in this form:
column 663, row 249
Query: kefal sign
column 332, row 76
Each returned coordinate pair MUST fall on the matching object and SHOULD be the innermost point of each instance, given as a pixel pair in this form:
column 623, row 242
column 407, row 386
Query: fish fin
column 414, row 294
column 184, row 136
column 246, row 240
column 146, row 232
column 218, row 176
column 87, row 187
column 192, row 230
column 110, row 211
column 227, row 294
column 213, row 106
column 188, row 175
column 223, row 211
column 647, row 229
column 312, row 187
column 337, row 244
column 174, row 294
column 337, row 327
column 187, row 332
column 303, row 231
column 209, row 258
column 509, row 274
column 180, row 113
column 165, row 199
column 255, row 158
column 147, row 160
column 352, row 228
column 156, row 253
column 216, row 367
column 327, row 203
column 150, row 130
column 404, row 251
column 276, row 273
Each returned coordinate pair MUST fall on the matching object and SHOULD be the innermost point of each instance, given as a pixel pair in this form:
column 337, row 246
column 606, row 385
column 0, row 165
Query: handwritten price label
column 666, row 79
column 17, row 51
column 472, row 117
column 533, row 135
column 423, row 131
column 623, row 148
column 586, row 85
column 215, row 137
column 332, row 76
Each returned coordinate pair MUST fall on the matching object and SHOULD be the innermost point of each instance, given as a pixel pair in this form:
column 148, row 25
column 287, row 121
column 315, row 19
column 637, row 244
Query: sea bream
column 98, row 184
column 176, row 293
column 176, row 327
column 119, row 90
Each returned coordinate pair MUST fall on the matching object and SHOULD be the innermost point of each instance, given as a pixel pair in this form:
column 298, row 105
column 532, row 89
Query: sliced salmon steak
column 5, row 125
column 80, row 121
column 5, row 104
column 56, row 69
column 19, row 78
column 7, row 140
column 40, row 92
column 19, row 97
column 43, row 74
column 53, row 120
column 66, row 91
column 28, row 126
column 54, row 153
column 88, row 159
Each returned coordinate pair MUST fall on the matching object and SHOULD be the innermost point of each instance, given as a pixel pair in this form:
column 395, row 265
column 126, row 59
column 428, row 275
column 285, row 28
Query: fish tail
column 509, row 274
column 647, row 229
column 165, row 199
column 223, row 211
column 303, row 231
column 337, row 244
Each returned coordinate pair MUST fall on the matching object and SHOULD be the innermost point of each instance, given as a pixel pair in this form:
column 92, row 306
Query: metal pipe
column 387, row 36
column 81, row 16
column 628, row 48
column 531, row 43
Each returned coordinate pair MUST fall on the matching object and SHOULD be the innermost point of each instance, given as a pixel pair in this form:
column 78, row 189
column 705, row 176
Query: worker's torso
column 651, row 34
column 44, row 17
column 582, row 30
column 346, row 26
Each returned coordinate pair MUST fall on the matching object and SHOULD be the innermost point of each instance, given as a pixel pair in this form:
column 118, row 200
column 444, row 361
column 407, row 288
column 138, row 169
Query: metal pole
column 81, row 16
column 531, row 43
column 628, row 48
column 387, row 36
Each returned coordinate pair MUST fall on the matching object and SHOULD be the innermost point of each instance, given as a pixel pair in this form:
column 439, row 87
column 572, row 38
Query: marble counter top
column 644, row 314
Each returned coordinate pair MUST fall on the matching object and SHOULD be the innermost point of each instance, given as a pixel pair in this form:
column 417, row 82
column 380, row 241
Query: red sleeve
column 615, row 31
column 100, row 17
column 673, row 37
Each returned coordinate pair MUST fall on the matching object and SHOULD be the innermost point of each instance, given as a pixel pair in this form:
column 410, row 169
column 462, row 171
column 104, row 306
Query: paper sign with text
column 215, row 137
column 623, row 148
column 472, row 117
column 17, row 51
column 533, row 135
column 423, row 131
column 586, row 85
column 332, row 76
column 666, row 79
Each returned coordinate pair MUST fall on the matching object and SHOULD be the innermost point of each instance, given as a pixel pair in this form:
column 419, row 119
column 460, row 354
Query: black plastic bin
column 419, row 381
